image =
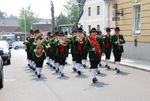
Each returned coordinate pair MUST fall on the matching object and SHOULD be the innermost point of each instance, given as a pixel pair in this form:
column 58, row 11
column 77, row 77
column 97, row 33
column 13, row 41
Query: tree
column 71, row 8
column 61, row 19
column 53, row 17
column 3, row 15
column 26, row 19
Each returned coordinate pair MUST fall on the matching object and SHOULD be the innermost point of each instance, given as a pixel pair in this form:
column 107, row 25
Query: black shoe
column 35, row 73
column 47, row 63
column 100, row 65
column 39, row 76
column 79, row 72
column 57, row 70
column 84, row 66
column 108, row 67
column 118, row 71
column 98, row 72
column 29, row 65
column 33, row 69
column 50, row 65
column 62, row 75
column 66, row 63
column 74, row 69
column 54, row 67
column 94, row 80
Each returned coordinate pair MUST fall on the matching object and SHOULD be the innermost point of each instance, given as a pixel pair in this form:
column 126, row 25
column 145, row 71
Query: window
column 89, row 11
column 98, row 10
column 136, row 19
column 98, row 27
column 89, row 28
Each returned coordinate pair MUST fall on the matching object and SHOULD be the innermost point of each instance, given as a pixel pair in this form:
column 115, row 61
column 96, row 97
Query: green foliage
column 62, row 19
column 26, row 19
column 71, row 8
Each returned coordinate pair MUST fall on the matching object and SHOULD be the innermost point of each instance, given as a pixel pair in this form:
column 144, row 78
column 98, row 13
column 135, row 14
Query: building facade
column 98, row 14
column 135, row 26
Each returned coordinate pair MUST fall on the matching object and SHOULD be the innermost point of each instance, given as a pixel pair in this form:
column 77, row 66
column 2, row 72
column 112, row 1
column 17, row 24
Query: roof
column 9, row 29
column 42, row 27
column 8, row 22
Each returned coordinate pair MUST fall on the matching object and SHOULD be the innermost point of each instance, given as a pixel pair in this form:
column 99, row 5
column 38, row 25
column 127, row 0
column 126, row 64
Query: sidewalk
column 133, row 63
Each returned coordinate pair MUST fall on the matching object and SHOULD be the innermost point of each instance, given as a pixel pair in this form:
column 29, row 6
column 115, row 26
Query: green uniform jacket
column 117, row 47
column 94, row 54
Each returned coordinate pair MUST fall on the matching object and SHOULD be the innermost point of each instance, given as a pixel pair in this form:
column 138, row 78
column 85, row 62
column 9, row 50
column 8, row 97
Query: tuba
column 39, row 50
column 80, row 39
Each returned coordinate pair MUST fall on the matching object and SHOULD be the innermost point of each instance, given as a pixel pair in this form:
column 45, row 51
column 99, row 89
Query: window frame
column 98, row 10
column 89, row 11
column 134, row 31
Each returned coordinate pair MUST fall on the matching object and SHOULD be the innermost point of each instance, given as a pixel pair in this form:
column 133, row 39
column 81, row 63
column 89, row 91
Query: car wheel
column 8, row 62
column 1, row 79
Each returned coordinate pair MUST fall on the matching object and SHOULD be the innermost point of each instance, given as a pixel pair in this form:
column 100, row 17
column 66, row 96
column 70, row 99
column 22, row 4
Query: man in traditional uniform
column 79, row 42
column 62, row 52
column 73, row 48
column 108, row 47
column 117, row 41
column 40, row 55
column 95, row 52
column 99, row 37
column 28, row 46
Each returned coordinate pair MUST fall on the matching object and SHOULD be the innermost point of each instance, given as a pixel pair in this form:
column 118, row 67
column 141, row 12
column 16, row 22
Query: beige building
column 98, row 14
column 135, row 26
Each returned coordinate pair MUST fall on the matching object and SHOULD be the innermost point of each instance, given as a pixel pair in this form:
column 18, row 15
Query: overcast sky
column 40, row 7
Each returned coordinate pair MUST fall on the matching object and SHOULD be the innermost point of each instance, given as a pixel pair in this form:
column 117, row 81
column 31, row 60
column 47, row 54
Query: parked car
column 18, row 44
column 5, row 51
column 1, row 72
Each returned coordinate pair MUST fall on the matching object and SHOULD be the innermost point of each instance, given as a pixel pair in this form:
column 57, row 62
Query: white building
column 98, row 14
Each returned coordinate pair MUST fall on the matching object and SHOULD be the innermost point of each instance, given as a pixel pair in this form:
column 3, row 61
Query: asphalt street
column 21, row 83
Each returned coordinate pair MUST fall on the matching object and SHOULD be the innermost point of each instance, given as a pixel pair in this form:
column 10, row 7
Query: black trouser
column 108, row 53
column 94, row 63
column 62, row 60
column 73, row 56
column 117, row 56
column 79, row 57
column 85, row 56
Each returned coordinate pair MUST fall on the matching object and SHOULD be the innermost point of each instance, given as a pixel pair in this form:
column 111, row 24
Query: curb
column 134, row 67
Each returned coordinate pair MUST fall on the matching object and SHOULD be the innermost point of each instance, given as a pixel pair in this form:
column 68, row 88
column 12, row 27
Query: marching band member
column 79, row 42
column 100, row 38
column 40, row 55
column 85, row 52
column 108, row 47
column 62, row 52
column 95, row 51
column 117, row 42
column 72, row 49
column 28, row 46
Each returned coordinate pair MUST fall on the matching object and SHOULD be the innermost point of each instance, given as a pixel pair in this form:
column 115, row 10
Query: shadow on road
column 43, row 78
column 123, row 73
column 99, row 84
column 63, row 78
column 82, row 76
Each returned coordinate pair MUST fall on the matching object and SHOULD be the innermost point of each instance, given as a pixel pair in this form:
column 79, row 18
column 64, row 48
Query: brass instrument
column 39, row 50
column 62, row 41
column 80, row 39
